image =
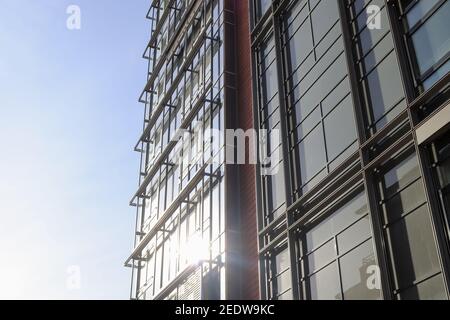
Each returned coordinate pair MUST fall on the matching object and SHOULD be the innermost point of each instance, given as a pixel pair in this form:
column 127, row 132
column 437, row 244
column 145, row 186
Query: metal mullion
column 161, row 20
column 342, row 193
column 434, row 208
column 429, row 94
column 339, row 269
column 271, row 225
column 373, row 126
column 322, row 122
column 302, row 267
column 280, row 54
column 262, row 21
column 344, row 169
column 359, row 99
column 380, row 244
column 257, row 38
column 273, row 243
column 154, row 268
column 381, row 193
column 403, row 143
column 258, row 180
column 272, row 278
column 408, row 81
column 432, row 202
column 281, row 6
column 168, row 49
column 384, row 132
column 312, row 33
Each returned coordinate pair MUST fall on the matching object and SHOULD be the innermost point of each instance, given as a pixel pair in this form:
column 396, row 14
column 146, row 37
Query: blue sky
column 69, row 118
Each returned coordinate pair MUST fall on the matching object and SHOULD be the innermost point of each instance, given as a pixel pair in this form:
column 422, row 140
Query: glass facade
column 408, row 232
column 359, row 209
column 426, row 25
column 180, row 247
column 442, row 161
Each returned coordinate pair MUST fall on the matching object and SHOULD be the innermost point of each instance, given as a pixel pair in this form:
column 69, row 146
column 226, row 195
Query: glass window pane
column 321, row 256
column 439, row 73
column 432, row 40
column 307, row 124
column 341, row 219
column 317, row 82
column 412, row 247
column 385, row 87
column 336, row 96
column 323, row 18
column 419, row 11
column 432, row 289
column 405, row 201
column 281, row 274
column 269, row 83
column 284, row 281
column 311, row 153
column 346, row 229
column 369, row 38
column 354, row 235
column 401, row 175
column 261, row 7
column 282, row 261
column 300, row 45
column 276, row 195
column 357, row 270
column 375, row 56
column 378, row 70
column 324, row 285
column 340, row 128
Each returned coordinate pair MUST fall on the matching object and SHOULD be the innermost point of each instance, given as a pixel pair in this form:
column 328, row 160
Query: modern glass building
column 359, row 207
column 184, row 247
column 359, row 90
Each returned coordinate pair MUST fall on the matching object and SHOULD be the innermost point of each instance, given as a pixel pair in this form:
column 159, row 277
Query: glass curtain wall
column 181, row 197
column 351, row 215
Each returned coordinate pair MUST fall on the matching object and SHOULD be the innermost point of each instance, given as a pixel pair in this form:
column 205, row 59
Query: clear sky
column 69, row 118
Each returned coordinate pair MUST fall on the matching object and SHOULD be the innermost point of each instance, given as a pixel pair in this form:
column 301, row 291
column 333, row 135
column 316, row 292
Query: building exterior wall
column 186, row 223
column 246, row 171
column 356, row 206
column 359, row 206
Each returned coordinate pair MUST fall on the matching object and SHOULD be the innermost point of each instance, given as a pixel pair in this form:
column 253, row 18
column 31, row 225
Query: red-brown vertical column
column 250, row 284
